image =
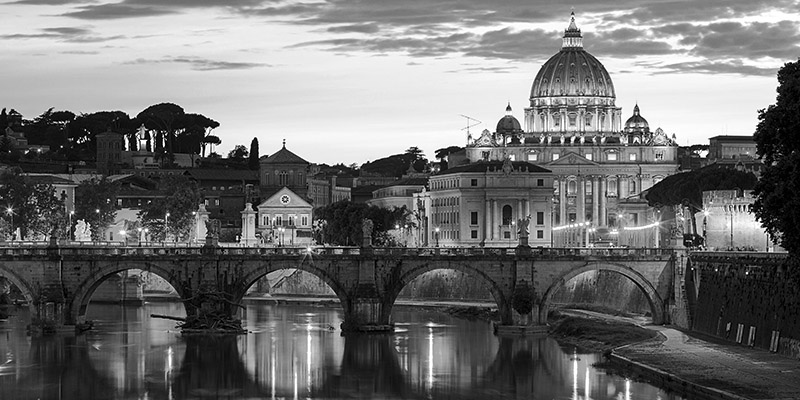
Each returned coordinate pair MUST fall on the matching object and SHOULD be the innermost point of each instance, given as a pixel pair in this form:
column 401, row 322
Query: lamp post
column 69, row 227
column 139, row 236
column 281, row 229
column 437, row 236
column 10, row 213
column 166, row 226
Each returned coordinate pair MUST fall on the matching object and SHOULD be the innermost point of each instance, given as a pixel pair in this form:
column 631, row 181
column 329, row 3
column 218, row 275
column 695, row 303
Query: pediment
column 573, row 159
column 279, row 199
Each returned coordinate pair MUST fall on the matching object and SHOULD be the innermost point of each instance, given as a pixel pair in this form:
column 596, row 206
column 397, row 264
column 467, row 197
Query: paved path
column 722, row 370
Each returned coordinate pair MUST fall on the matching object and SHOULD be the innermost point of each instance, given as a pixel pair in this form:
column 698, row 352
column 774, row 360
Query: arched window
column 632, row 186
column 507, row 215
column 572, row 187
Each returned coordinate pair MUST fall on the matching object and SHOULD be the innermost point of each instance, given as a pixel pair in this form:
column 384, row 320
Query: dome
column 572, row 71
column 636, row 121
column 508, row 125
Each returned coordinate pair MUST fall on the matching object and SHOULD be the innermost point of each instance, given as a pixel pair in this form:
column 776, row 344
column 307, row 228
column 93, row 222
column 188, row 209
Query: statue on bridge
column 522, row 232
column 83, row 231
column 366, row 232
column 212, row 232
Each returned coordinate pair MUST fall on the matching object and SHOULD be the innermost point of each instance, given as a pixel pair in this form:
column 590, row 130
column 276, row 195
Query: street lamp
column 281, row 229
column 10, row 212
column 139, row 236
column 437, row 236
column 69, row 228
column 166, row 225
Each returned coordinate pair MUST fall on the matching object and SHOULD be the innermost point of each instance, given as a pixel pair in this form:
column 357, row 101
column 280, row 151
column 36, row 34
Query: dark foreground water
column 296, row 352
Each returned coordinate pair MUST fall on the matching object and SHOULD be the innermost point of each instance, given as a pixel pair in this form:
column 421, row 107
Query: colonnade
column 494, row 217
column 603, row 187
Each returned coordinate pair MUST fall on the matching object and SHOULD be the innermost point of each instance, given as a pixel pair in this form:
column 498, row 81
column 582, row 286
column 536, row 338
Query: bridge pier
column 365, row 309
column 523, row 303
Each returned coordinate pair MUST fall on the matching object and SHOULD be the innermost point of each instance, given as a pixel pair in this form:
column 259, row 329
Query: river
column 296, row 352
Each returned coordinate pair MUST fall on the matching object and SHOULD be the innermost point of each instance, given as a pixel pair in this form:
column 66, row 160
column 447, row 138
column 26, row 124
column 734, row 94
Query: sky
column 353, row 81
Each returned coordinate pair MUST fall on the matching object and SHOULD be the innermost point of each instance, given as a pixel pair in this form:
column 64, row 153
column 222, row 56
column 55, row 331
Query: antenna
column 470, row 123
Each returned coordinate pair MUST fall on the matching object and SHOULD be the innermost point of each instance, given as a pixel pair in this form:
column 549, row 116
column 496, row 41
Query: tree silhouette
column 777, row 138
column 252, row 162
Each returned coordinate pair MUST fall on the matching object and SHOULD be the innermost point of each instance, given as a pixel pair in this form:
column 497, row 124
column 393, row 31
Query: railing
column 29, row 248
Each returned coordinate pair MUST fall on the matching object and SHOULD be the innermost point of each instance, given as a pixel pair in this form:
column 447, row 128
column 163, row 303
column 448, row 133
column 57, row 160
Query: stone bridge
column 58, row 282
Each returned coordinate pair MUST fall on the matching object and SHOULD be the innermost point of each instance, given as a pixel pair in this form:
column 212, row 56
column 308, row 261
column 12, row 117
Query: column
column 520, row 211
column 562, row 199
column 528, row 207
column 603, row 202
column 487, row 217
column 581, row 200
column 495, row 221
column 596, row 200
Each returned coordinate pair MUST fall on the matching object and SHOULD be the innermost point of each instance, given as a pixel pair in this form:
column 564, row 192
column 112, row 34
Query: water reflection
column 297, row 352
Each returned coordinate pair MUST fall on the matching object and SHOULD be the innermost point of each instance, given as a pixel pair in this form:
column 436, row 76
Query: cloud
column 357, row 28
column 716, row 67
column 201, row 64
column 117, row 11
column 64, row 34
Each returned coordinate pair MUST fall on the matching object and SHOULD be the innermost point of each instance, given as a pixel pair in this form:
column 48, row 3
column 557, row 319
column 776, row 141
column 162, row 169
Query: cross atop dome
column 572, row 35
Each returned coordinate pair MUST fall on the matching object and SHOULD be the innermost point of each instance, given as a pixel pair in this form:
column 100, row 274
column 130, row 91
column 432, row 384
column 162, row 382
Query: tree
column 164, row 119
column 95, row 204
column 170, row 217
column 83, row 130
column 32, row 208
column 239, row 152
column 252, row 162
column 342, row 223
column 687, row 188
column 398, row 164
column 777, row 137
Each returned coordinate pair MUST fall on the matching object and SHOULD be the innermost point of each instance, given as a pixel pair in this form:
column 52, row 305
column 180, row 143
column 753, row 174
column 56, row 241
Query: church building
column 574, row 128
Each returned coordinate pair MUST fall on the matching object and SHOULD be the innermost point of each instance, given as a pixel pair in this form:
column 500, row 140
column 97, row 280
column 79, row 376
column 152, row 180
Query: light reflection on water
column 296, row 352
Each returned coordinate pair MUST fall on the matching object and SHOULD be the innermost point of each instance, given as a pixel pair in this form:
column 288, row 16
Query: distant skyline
column 353, row 81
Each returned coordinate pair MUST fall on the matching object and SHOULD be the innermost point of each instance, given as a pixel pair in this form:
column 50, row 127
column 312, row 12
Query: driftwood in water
column 168, row 317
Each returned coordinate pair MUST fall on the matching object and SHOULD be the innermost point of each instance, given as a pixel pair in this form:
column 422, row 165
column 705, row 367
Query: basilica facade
column 573, row 128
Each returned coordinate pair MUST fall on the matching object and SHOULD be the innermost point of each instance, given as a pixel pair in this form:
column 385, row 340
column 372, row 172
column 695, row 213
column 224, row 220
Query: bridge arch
column 24, row 287
column 306, row 265
column 414, row 272
column 655, row 301
column 86, row 288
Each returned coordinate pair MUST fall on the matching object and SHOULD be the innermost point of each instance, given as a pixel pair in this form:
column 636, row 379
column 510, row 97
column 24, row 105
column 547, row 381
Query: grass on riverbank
column 595, row 335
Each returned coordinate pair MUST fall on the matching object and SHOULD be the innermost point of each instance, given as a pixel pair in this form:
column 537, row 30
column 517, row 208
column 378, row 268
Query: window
column 473, row 182
column 555, row 156
column 540, row 182
column 279, row 220
column 612, row 156
column 291, row 220
column 473, row 218
column 304, row 220
column 507, row 215
column 632, row 186
column 119, row 202
column 659, row 156
column 540, row 234
column 572, row 120
column 473, row 234
column 265, row 219
column 485, row 155
column 216, row 202
column 632, row 157
column 539, row 218
column 588, row 156
column 533, row 157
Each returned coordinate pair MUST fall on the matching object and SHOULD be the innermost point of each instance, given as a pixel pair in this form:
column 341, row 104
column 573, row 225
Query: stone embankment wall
column 754, row 302
column 593, row 287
